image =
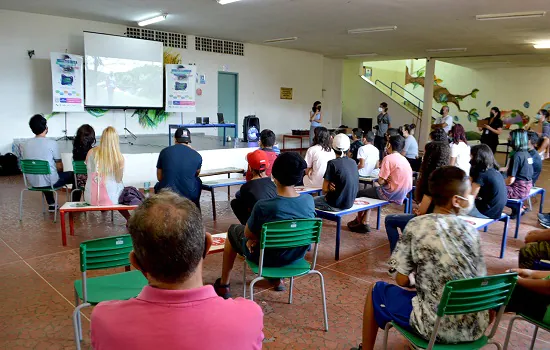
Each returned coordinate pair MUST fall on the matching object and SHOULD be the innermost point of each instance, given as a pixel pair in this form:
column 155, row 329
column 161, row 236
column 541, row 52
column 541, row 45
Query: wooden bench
column 218, row 243
column 485, row 223
column 309, row 190
column 79, row 207
column 211, row 185
column 517, row 204
column 361, row 204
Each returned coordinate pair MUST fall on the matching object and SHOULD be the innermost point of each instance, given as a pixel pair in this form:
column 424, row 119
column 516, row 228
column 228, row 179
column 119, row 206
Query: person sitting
column 105, row 167
column 369, row 157
column 259, row 187
column 175, row 310
column 267, row 144
column 537, row 247
column 439, row 135
column 488, row 186
column 341, row 180
column 391, row 132
column 436, row 155
column 357, row 138
column 179, row 166
column 460, row 150
column 434, row 249
column 42, row 148
column 531, row 295
column 394, row 180
column 410, row 151
column 288, row 170
column 317, row 157
column 520, row 169
column 83, row 142
column 537, row 161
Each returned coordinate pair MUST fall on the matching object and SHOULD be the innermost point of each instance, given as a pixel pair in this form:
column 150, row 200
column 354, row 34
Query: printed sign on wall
column 67, row 82
column 180, row 88
column 286, row 93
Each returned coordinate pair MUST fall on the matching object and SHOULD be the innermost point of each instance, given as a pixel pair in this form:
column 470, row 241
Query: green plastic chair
column 79, row 168
column 288, row 234
column 104, row 253
column 545, row 324
column 38, row 167
column 463, row 297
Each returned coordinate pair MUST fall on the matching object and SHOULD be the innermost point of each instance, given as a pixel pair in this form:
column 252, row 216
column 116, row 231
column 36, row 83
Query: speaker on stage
column 251, row 129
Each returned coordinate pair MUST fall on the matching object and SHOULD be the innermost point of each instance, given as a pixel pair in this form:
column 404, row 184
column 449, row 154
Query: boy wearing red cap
column 258, row 187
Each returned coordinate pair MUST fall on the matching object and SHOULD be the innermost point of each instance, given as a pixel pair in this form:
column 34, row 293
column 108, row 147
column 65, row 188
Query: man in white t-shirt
column 368, row 156
column 445, row 121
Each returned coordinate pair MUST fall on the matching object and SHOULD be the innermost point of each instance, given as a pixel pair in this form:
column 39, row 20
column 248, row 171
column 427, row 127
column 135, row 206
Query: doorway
column 228, row 98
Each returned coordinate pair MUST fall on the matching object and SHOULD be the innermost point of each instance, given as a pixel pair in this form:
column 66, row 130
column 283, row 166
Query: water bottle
column 147, row 189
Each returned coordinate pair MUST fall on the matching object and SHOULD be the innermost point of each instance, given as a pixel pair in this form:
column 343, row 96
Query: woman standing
column 460, row 151
column 491, row 130
column 317, row 157
column 411, row 146
column 383, row 121
column 105, row 165
column 315, row 118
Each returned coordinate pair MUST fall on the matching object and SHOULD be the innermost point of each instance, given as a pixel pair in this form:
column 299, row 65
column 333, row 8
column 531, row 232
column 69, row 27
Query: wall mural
column 513, row 117
column 147, row 118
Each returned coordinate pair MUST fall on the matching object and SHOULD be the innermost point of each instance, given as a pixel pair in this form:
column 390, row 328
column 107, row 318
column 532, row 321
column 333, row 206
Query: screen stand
column 65, row 138
column 126, row 130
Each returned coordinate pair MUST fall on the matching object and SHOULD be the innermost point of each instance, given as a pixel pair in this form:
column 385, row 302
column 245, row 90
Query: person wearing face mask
column 315, row 119
column 383, row 121
column 543, row 147
column 434, row 249
column 488, row 186
column 492, row 129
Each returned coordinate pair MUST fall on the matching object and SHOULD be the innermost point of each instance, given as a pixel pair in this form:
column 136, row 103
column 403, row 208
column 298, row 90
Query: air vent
column 219, row 46
column 175, row 40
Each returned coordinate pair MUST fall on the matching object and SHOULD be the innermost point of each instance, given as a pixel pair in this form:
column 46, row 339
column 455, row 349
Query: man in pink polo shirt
column 175, row 311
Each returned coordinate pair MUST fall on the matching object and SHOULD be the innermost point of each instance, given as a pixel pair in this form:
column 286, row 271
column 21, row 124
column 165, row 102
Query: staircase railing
column 418, row 111
column 418, row 104
column 420, row 101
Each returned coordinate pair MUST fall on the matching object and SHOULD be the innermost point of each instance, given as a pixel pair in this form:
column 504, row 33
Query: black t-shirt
column 537, row 164
column 354, row 148
column 521, row 166
column 342, row 172
column 254, row 190
column 492, row 195
column 487, row 136
column 179, row 165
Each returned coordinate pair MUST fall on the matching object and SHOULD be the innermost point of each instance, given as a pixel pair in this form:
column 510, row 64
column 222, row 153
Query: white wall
column 25, row 84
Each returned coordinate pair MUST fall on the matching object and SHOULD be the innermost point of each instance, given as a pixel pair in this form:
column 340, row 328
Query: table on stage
column 299, row 137
column 191, row 126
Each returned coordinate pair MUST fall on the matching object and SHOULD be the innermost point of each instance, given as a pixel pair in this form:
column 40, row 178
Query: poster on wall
column 286, row 93
column 67, row 82
column 180, row 88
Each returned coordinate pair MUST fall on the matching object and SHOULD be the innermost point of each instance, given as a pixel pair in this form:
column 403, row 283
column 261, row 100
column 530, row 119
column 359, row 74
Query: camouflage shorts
column 533, row 252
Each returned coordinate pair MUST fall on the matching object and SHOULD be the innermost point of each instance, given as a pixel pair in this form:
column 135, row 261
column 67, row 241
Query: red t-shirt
column 271, row 156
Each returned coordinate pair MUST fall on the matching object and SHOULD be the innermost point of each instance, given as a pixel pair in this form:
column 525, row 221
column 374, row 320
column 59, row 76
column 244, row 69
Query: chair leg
column 518, row 219
column 290, row 290
column 21, row 206
column 55, row 206
column 77, row 331
column 386, row 335
column 323, row 297
column 244, row 280
column 534, row 340
column 43, row 203
column 252, row 286
column 509, row 331
column 76, row 302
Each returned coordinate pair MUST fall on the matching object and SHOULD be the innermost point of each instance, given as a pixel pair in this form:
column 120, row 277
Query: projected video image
column 118, row 82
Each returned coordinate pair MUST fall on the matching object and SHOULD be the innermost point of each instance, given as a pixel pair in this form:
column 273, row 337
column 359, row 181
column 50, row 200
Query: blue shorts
column 392, row 303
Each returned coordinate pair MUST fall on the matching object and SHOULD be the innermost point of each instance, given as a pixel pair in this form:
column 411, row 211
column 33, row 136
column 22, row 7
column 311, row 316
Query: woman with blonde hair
column 105, row 165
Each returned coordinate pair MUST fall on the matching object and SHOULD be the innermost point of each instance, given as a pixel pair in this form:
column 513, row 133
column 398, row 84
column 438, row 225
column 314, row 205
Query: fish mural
column 441, row 94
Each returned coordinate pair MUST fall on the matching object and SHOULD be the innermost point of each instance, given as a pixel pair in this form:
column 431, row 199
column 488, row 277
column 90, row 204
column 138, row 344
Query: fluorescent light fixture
column 152, row 20
column 511, row 15
column 372, row 30
column 542, row 44
column 281, row 40
column 224, row 2
column 451, row 49
column 363, row 55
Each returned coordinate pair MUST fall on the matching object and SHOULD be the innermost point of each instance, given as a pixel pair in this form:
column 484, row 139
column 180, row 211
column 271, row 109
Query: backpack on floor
column 9, row 165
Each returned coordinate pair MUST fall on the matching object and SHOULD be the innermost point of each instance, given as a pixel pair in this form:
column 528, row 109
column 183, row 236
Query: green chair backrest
column 104, row 253
column 35, row 167
column 79, row 167
column 290, row 233
column 476, row 294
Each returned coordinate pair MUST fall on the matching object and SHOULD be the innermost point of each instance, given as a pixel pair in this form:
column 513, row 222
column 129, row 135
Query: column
column 424, row 134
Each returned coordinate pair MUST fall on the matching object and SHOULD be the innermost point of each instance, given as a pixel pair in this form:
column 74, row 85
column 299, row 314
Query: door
column 228, row 94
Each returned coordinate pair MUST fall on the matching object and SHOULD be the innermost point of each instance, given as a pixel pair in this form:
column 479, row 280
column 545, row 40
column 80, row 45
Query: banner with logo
column 67, row 82
column 180, row 88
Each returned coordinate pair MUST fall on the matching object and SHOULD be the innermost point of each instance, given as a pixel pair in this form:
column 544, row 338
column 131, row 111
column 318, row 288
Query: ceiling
column 322, row 25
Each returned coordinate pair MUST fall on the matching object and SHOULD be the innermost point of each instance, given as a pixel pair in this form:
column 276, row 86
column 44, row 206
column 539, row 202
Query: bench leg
column 518, row 219
column 63, row 229
column 378, row 218
column 485, row 228
column 213, row 203
column 504, row 237
column 71, row 224
column 338, row 229
column 542, row 195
